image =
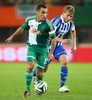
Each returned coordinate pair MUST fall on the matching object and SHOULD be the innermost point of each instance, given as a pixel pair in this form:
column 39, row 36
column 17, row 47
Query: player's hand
column 34, row 30
column 66, row 41
column 50, row 56
column 73, row 50
column 9, row 39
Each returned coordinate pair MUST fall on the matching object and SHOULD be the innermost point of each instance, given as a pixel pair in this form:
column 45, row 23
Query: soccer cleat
column 34, row 80
column 64, row 89
column 27, row 94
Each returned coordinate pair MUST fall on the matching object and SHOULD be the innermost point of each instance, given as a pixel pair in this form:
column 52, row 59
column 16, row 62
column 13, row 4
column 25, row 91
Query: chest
column 41, row 26
column 64, row 28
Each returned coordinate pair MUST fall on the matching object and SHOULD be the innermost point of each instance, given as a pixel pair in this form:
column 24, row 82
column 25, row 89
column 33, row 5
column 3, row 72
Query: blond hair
column 69, row 8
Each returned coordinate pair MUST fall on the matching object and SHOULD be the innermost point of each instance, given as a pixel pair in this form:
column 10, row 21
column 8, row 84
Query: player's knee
column 45, row 70
column 64, row 60
column 30, row 66
column 64, row 63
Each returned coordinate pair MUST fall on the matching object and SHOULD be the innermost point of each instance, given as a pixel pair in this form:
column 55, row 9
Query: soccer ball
column 41, row 87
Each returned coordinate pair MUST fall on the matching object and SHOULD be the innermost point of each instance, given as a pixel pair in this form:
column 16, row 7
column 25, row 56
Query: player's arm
column 73, row 35
column 64, row 41
column 18, row 31
column 25, row 26
column 53, row 44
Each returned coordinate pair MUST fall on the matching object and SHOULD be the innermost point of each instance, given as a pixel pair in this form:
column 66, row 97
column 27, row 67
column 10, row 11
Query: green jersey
column 46, row 28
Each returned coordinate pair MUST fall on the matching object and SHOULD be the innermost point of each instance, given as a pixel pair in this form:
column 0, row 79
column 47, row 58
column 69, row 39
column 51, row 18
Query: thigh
column 63, row 58
column 31, row 53
column 42, row 58
column 59, row 51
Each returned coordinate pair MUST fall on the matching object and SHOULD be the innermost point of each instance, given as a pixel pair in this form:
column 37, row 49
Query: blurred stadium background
column 12, row 75
column 14, row 12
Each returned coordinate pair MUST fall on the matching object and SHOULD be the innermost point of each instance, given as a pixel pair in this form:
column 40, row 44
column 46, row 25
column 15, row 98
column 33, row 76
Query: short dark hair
column 40, row 6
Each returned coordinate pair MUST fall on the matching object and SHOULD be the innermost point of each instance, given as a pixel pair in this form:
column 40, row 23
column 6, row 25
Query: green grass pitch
column 12, row 82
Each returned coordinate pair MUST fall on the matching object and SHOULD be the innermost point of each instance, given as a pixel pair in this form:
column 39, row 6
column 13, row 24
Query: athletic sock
column 28, row 79
column 63, row 75
column 34, row 72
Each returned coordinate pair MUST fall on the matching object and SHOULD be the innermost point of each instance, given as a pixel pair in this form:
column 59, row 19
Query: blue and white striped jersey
column 61, row 27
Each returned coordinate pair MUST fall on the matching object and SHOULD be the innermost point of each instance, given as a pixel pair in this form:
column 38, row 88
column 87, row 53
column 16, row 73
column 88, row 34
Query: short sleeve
column 51, row 29
column 72, row 26
column 52, row 33
column 25, row 25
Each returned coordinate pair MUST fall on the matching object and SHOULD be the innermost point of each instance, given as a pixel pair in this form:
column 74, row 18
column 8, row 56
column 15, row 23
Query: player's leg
column 36, row 73
column 41, row 62
column 63, row 73
column 45, row 70
column 29, row 73
column 61, row 55
column 34, row 76
column 47, row 65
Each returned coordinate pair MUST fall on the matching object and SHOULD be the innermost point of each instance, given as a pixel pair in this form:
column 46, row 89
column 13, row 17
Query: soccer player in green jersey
column 40, row 31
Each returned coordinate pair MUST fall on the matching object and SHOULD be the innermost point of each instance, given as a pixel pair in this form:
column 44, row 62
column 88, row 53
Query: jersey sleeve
column 56, row 21
column 52, row 32
column 52, row 29
column 72, row 26
column 25, row 25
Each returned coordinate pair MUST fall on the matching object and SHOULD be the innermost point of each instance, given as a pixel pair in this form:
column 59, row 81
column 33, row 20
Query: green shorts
column 38, row 54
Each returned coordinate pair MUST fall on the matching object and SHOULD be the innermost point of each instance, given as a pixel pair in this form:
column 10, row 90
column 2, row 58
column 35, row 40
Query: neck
column 63, row 17
column 37, row 19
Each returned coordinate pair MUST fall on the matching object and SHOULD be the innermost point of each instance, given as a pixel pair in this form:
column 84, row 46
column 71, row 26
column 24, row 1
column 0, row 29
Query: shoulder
column 56, row 19
column 71, row 23
column 49, row 23
column 30, row 18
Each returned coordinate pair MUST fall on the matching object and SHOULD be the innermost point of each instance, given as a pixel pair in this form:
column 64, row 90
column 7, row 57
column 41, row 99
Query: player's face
column 42, row 14
column 67, row 16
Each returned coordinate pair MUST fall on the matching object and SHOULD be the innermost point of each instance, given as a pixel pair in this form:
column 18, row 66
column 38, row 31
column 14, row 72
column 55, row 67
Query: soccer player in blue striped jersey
column 63, row 24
